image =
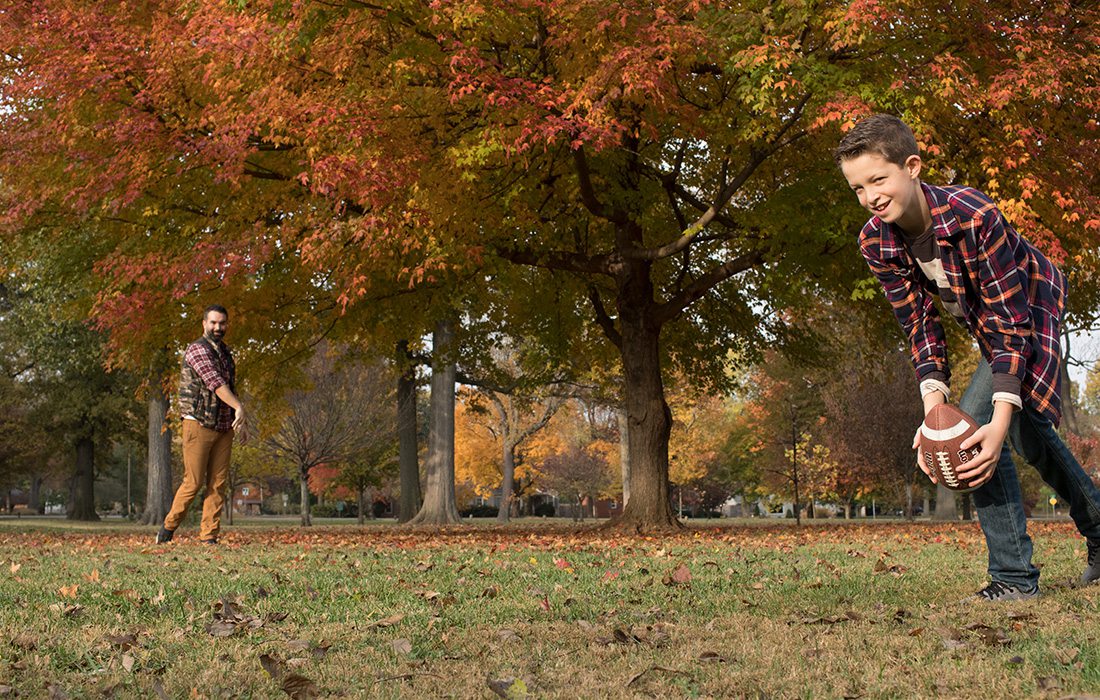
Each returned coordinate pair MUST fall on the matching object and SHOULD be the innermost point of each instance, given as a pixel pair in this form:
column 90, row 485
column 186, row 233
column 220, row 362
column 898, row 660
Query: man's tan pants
column 205, row 463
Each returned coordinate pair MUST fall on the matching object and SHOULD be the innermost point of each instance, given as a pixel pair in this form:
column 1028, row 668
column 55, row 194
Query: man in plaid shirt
column 952, row 243
column 212, row 413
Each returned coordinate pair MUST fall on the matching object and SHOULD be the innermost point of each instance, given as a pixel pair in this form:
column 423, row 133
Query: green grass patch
column 776, row 611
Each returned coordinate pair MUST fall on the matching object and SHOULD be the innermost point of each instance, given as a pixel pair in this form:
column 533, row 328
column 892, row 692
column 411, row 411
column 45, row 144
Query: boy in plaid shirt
column 924, row 242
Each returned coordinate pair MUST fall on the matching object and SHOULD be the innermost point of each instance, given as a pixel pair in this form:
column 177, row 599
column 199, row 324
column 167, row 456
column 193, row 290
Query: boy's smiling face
column 887, row 190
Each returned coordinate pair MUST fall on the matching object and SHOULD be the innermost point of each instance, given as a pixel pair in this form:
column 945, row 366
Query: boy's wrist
column 931, row 399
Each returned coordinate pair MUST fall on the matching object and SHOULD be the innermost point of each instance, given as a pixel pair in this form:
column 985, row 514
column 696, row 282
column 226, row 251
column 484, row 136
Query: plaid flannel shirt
column 214, row 370
column 1011, row 295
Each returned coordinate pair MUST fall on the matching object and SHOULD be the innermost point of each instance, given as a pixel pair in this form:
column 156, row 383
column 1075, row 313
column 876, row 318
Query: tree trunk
column 909, row 500
column 967, row 515
column 408, row 461
column 439, row 506
column 82, row 504
column 507, row 484
column 34, row 501
column 649, row 420
column 158, row 488
column 307, row 519
column 945, row 504
column 624, row 453
column 361, row 497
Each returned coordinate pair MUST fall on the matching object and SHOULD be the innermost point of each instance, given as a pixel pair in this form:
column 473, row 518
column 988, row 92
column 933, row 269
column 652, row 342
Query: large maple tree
column 670, row 158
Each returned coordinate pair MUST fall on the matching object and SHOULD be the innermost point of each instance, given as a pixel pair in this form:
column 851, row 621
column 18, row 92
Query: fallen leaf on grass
column 25, row 641
column 56, row 692
column 128, row 662
column 990, row 636
column 15, row 568
column 881, row 567
column 402, row 646
column 712, row 656
column 507, row 635
column 387, row 621
column 681, row 576
column 510, row 688
column 123, row 641
column 1048, row 683
column 67, row 610
column 1066, row 656
column 6, row 690
column 295, row 685
column 1016, row 660
column 221, row 628
column 663, row 669
column 128, row 594
column 69, row 591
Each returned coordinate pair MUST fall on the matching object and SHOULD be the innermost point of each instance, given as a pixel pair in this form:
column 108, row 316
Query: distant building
column 248, row 498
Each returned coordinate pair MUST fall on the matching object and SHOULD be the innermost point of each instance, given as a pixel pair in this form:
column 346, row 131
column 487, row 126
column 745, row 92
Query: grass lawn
column 540, row 610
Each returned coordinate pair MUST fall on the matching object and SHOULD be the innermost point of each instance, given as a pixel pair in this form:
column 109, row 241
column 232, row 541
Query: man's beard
column 215, row 335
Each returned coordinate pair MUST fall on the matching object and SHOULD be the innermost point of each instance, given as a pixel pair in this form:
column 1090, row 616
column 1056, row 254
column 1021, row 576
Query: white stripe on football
column 944, row 434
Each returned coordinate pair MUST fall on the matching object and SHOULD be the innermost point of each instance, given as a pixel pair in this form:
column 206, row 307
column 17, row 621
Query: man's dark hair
column 214, row 307
column 882, row 134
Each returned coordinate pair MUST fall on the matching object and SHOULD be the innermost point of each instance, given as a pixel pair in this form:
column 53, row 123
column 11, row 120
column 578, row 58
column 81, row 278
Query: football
column 943, row 431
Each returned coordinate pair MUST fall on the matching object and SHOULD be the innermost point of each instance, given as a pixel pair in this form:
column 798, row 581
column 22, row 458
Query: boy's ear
column 913, row 165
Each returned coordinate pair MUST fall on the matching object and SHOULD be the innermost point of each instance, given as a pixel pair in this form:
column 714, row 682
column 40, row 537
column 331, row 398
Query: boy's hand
column 931, row 399
column 991, row 438
column 920, row 462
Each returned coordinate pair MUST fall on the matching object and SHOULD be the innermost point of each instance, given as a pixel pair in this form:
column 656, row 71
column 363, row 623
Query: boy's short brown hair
column 882, row 134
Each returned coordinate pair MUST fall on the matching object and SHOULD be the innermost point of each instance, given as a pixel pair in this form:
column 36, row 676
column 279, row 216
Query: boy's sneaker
column 1092, row 571
column 1000, row 592
column 165, row 535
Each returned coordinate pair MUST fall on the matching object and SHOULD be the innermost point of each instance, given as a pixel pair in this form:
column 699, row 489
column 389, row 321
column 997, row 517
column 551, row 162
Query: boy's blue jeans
column 999, row 502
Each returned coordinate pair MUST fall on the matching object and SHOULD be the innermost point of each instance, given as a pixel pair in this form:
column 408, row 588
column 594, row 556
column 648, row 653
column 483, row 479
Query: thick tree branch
column 729, row 188
column 689, row 294
column 588, row 192
column 555, row 260
column 602, row 317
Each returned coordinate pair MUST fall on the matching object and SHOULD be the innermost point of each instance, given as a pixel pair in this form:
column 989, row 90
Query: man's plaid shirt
column 1011, row 295
column 214, row 369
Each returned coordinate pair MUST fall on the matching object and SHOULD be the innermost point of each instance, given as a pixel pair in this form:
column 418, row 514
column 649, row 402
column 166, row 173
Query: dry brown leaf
column 663, row 669
column 388, row 621
column 123, row 641
column 220, row 628
column 299, row 687
column 128, row 662
column 712, row 656
column 507, row 635
column 25, row 641
column 681, row 575
column 1066, row 656
column 69, row 591
column 509, row 688
column 402, row 646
